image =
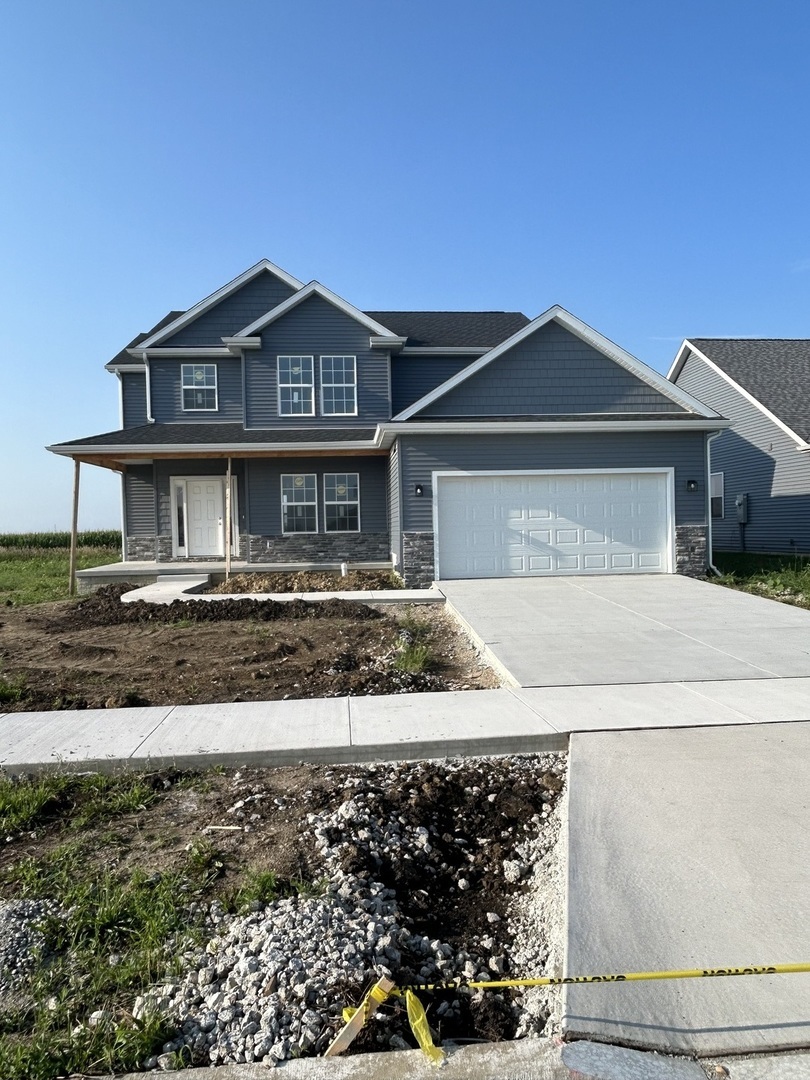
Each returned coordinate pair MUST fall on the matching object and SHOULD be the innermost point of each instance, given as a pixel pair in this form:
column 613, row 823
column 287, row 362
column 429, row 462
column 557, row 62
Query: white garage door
column 562, row 523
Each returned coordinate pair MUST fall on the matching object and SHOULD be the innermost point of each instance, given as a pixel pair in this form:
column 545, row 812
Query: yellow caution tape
column 627, row 976
column 421, row 1029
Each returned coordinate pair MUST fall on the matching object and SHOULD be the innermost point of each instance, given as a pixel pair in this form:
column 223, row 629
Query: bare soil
column 309, row 581
column 100, row 653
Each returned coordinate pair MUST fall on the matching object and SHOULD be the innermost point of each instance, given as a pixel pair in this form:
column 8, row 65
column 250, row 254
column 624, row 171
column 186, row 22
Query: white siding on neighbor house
column 756, row 458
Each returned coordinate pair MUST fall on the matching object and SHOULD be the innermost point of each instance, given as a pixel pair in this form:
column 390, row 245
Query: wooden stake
column 74, row 528
column 371, row 1002
column 228, row 521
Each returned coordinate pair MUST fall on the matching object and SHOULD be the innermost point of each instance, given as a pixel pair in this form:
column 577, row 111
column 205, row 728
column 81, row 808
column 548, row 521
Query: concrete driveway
column 630, row 629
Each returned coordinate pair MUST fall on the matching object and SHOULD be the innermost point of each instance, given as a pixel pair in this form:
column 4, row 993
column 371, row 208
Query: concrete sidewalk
column 382, row 728
column 688, row 849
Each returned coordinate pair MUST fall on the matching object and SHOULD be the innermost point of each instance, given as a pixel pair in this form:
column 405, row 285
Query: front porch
column 147, row 572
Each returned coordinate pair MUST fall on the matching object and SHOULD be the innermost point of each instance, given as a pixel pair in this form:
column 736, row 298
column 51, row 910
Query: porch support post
column 228, row 521
column 74, row 528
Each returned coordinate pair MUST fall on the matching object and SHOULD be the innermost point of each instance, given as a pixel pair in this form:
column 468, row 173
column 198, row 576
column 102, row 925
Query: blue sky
column 643, row 164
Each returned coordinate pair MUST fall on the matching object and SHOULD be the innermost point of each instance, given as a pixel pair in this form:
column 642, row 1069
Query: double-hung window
column 199, row 387
column 338, row 386
column 296, row 379
column 299, row 503
column 716, row 494
column 341, row 502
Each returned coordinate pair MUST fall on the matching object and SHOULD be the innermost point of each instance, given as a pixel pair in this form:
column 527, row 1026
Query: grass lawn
column 36, row 574
column 779, row 577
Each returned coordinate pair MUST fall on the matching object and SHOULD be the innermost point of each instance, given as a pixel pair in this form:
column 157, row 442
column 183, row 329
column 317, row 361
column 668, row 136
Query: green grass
column 415, row 654
column 779, row 577
column 71, row 799
column 35, row 575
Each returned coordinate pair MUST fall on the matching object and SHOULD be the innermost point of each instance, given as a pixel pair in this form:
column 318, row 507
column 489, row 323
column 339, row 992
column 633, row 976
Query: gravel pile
column 412, row 855
column 21, row 943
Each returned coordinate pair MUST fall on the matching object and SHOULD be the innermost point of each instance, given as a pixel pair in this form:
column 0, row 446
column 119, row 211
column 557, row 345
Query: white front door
column 504, row 525
column 206, row 514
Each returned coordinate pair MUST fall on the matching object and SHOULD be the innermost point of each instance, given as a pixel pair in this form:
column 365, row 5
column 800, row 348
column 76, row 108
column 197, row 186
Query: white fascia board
column 236, row 345
column 314, row 288
column 205, row 448
column 220, row 294
column 445, row 350
column 590, row 337
column 387, row 341
column 171, row 351
column 536, row 427
column 124, row 367
column 680, row 360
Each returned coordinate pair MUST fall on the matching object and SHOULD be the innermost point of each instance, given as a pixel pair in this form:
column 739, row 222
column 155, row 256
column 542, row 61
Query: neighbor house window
column 199, row 387
column 338, row 386
column 716, row 494
column 341, row 501
column 299, row 506
column 295, row 386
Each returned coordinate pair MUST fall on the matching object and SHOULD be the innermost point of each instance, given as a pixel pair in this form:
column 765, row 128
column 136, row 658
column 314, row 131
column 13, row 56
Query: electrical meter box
column 741, row 505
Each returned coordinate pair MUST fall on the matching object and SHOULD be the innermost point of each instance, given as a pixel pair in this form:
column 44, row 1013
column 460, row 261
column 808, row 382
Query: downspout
column 149, row 418
column 712, row 435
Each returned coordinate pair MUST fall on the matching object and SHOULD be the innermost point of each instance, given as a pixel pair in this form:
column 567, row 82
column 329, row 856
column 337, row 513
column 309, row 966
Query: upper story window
column 716, row 493
column 199, row 387
column 338, row 386
column 296, row 379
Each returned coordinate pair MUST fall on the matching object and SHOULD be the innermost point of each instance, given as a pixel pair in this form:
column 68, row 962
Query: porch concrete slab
column 166, row 590
column 637, row 705
column 251, row 732
column 68, row 738
column 630, row 629
column 688, row 849
column 448, row 724
column 760, row 700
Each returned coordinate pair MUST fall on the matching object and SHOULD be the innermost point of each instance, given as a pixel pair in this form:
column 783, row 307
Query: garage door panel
column 611, row 523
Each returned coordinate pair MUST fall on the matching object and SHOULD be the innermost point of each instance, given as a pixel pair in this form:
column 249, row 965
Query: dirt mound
column 104, row 608
column 309, row 581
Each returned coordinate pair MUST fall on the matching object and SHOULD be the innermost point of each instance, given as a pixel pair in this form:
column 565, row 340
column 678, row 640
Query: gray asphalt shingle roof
column 170, row 435
column 476, row 329
column 776, row 371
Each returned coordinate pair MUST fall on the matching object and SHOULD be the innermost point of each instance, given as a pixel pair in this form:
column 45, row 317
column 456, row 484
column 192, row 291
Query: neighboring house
column 760, row 483
column 453, row 444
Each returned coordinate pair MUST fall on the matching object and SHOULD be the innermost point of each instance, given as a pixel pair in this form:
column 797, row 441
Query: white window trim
column 300, row 532
column 721, row 496
column 338, row 356
column 326, row 528
column 301, row 385
column 179, row 552
column 183, row 387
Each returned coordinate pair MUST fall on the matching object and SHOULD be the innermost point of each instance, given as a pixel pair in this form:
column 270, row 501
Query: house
column 451, row 444
column 760, row 468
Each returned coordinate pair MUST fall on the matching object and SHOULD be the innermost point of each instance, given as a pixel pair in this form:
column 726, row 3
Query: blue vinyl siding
column 139, row 500
column 551, row 371
column 315, row 328
column 414, row 376
column 756, row 458
column 264, row 487
column 421, row 455
column 167, row 393
column 133, row 391
column 233, row 313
